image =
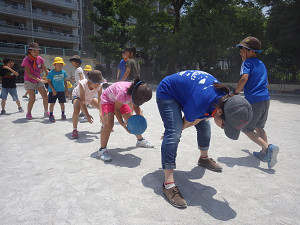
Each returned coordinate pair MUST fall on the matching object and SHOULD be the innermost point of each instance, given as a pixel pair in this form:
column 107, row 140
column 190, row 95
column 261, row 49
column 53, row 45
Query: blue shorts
column 12, row 91
column 59, row 95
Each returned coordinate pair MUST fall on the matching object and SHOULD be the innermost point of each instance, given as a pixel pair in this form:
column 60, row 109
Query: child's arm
column 27, row 69
column 51, row 86
column 117, row 112
column 80, row 76
column 11, row 70
column 66, row 87
column 118, row 74
column 127, row 72
column 241, row 83
column 99, row 102
column 138, row 110
column 45, row 69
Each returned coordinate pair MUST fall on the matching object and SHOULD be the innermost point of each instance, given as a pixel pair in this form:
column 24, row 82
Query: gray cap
column 238, row 113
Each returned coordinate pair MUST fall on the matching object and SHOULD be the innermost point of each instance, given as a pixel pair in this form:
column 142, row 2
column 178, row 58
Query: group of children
column 197, row 94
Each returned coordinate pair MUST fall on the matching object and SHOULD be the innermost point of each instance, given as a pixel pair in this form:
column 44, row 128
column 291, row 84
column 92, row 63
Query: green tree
column 111, row 18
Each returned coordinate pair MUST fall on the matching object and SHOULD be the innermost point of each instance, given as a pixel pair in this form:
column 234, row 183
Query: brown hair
column 223, row 99
column 95, row 76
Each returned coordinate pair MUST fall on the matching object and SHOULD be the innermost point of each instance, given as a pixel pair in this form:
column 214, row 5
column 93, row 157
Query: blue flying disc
column 137, row 124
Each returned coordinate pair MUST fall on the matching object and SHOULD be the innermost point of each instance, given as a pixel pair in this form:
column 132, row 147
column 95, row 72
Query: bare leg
column 51, row 107
column 31, row 101
column 43, row 93
column 261, row 132
column 3, row 104
column 108, row 124
column 77, row 105
column 18, row 103
column 169, row 175
column 62, row 106
column 258, row 140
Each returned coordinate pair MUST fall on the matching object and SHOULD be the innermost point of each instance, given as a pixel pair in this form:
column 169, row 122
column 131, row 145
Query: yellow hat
column 58, row 60
column 87, row 68
column 69, row 85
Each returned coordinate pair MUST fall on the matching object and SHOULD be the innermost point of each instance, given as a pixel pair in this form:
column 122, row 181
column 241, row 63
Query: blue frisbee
column 137, row 124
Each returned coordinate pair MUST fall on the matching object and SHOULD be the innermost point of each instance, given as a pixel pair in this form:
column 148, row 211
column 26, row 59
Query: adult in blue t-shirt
column 57, row 80
column 254, row 80
column 199, row 96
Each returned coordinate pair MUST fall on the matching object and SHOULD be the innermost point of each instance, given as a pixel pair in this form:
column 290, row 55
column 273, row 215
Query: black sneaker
column 3, row 112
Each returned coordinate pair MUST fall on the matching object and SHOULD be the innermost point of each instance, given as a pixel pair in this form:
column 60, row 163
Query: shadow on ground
column 194, row 193
column 121, row 160
column 84, row 136
column 247, row 161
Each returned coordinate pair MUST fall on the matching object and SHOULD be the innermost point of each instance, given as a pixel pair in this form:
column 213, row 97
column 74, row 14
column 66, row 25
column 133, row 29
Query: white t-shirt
column 89, row 94
column 76, row 74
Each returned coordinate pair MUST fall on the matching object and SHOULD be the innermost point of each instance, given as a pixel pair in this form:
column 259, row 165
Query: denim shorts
column 260, row 116
column 59, row 95
column 12, row 91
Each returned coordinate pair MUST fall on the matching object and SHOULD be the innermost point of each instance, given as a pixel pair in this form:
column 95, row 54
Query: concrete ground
column 48, row 178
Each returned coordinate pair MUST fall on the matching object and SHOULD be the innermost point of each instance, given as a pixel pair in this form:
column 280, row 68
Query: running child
column 9, row 75
column 115, row 101
column 83, row 94
column 33, row 64
column 57, row 80
column 199, row 96
column 254, row 80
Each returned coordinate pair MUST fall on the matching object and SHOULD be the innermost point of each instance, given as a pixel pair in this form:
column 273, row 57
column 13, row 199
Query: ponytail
column 130, row 89
column 223, row 99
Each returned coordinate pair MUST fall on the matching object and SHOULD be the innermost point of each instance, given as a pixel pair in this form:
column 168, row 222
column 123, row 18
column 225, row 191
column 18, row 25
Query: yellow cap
column 87, row 68
column 69, row 85
column 58, row 60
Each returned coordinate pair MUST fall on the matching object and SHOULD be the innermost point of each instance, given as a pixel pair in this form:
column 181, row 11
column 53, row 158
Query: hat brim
column 59, row 63
column 240, row 45
column 76, row 59
column 87, row 69
column 39, row 49
column 231, row 132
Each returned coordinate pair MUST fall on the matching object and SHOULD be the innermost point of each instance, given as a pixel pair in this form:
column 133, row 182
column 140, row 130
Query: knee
column 174, row 135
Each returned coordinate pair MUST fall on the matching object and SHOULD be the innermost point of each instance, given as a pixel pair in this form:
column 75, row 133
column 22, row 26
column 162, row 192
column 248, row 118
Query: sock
column 62, row 112
column 75, row 128
column 169, row 185
column 141, row 139
column 102, row 148
column 51, row 113
column 205, row 158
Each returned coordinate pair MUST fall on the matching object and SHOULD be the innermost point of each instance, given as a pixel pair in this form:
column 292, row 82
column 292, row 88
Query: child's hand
column 90, row 118
column 42, row 81
column 125, row 127
column 54, row 92
column 162, row 136
column 101, row 118
column 6, row 67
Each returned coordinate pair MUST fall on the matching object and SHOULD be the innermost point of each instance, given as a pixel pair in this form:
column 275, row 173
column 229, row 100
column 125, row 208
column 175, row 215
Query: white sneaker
column 103, row 154
column 144, row 143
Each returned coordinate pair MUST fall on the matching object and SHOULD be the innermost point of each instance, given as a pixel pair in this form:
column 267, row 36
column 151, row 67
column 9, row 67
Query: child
column 114, row 102
column 254, row 80
column 73, row 83
column 8, row 75
column 122, row 66
column 57, row 80
column 33, row 64
column 87, row 69
column 76, row 62
column 83, row 94
column 133, row 69
column 199, row 96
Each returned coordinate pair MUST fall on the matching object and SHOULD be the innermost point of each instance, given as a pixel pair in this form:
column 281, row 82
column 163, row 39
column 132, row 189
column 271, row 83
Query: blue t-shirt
column 57, row 80
column 193, row 90
column 255, row 89
column 122, row 67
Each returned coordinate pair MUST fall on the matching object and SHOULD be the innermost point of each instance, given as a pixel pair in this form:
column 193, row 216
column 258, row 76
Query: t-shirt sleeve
column 42, row 61
column 245, row 68
column 65, row 75
column 25, row 62
column 129, row 63
column 49, row 77
column 120, row 64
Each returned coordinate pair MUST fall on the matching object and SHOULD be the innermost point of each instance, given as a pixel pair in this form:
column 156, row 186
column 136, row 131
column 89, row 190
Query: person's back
column 255, row 89
column 134, row 69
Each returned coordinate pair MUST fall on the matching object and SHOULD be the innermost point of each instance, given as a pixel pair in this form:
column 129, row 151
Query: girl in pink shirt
column 33, row 64
column 115, row 101
column 83, row 94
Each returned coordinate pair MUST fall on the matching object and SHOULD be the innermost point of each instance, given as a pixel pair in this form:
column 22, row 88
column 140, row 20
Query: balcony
column 69, row 4
column 20, row 10
column 20, row 49
column 49, row 35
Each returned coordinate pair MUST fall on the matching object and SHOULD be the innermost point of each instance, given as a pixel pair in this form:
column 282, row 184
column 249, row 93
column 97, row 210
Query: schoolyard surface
column 48, row 178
